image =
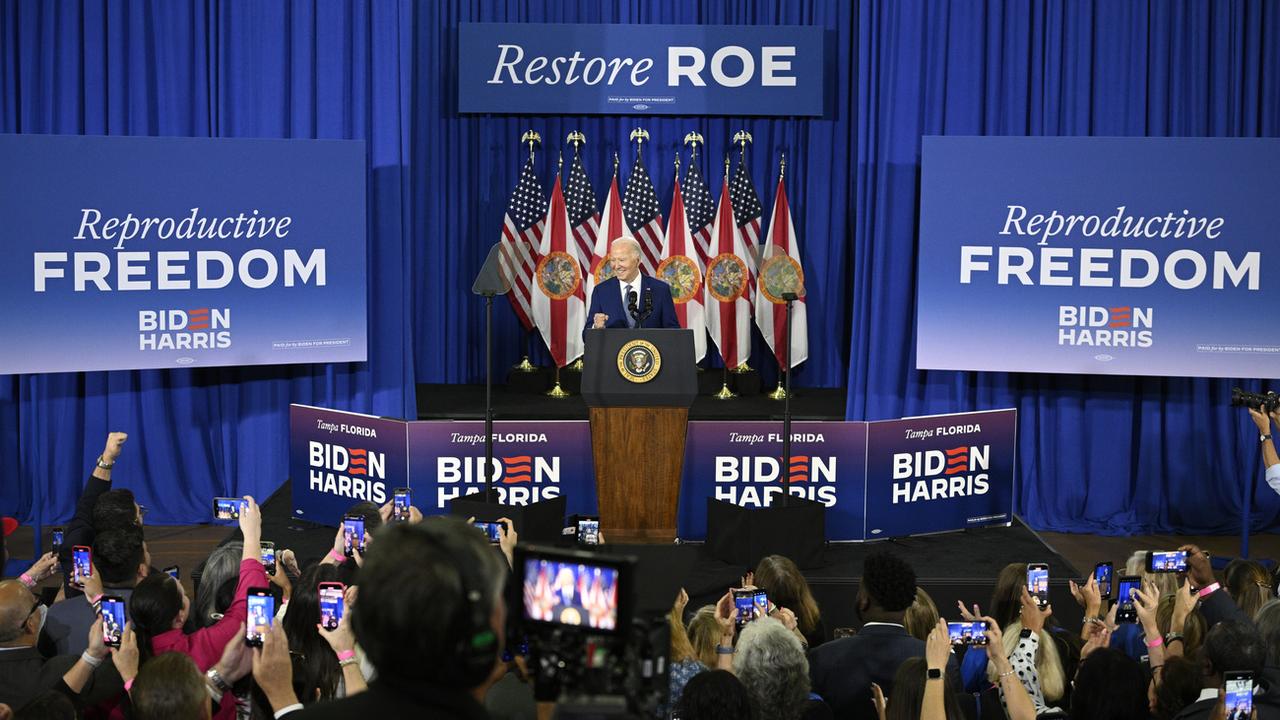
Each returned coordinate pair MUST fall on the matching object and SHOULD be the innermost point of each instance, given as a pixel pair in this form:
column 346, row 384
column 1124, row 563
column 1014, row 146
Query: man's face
column 625, row 261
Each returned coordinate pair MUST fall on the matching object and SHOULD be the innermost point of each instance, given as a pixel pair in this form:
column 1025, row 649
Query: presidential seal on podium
column 639, row 361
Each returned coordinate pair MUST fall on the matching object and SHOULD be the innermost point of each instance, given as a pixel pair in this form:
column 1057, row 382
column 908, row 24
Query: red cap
column 10, row 525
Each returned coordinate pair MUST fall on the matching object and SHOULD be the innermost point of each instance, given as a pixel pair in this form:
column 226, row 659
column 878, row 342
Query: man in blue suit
column 628, row 288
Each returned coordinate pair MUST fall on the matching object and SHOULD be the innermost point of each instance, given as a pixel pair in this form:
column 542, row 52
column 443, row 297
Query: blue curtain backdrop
column 248, row 69
column 1096, row 454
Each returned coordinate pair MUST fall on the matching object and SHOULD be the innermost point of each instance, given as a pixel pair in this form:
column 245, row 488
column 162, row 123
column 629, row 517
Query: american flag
column 699, row 208
column 640, row 208
column 746, row 209
column 584, row 218
column 521, row 233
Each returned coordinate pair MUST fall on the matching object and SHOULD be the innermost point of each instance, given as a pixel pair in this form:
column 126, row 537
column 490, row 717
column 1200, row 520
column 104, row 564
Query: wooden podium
column 638, row 385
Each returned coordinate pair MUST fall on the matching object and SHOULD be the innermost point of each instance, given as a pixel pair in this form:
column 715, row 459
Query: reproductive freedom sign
column 139, row 252
column 1124, row 256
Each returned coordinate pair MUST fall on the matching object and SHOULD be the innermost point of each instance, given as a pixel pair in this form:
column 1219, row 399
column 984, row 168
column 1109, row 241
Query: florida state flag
column 780, row 272
column 728, row 286
column 612, row 226
column 681, row 269
column 558, row 301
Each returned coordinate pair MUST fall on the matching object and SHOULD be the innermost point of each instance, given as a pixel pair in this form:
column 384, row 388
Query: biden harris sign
column 137, row 252
column 1127, row 256
column 532, row 68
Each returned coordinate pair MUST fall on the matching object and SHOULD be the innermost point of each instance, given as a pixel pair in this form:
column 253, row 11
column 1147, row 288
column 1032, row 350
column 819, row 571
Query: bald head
column 16, row 603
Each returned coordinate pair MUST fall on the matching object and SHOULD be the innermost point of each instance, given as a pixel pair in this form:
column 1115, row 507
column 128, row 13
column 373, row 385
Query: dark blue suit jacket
column 607, row 299
column 841, row 671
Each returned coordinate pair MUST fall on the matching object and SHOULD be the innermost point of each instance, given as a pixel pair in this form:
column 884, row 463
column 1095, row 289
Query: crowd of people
column 422, row 631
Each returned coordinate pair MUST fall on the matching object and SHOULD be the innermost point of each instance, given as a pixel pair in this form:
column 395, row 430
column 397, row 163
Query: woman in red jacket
column 159, row 607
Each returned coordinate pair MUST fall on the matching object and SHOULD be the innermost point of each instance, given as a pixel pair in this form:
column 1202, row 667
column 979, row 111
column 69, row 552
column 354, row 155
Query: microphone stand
column 786, row 408
column 488, row 396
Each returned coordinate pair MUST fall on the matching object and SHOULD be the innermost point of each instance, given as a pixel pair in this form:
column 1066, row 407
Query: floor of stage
column 951, row 566
column 466, row 402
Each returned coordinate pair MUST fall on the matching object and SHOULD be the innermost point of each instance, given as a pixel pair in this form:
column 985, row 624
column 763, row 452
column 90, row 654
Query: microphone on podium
column 631, row 306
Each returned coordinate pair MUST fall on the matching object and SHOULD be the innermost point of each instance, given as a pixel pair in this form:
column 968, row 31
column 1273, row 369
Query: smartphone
column 761, row 602
column 112, row 611
column 491, row 530
column 57, row 541
column 81, row 564
column 1126, row 610
column 968, row 633
column 1102, row 577
column 402, row 498
column 172, row 571
column 589, row 531
column 1239, row 693
column 352, row 535
column 227, row 508
column 331, row 604
column 1171, row 561
column 1038, row 583
column 268, row 557
column 744, row 600
column 262, row 611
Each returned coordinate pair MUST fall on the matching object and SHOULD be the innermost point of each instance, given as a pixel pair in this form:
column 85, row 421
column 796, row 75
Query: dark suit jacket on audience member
column 384, row 700
column 607, row 299
column 25, row 673
column 80, row 530
column 842, row 670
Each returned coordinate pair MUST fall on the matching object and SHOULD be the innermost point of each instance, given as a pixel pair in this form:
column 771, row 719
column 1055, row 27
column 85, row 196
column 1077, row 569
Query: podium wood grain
column 639, row 456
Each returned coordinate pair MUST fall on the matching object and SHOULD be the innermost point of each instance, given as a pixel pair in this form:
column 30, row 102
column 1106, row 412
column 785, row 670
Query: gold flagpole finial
column 533, row 138
column 559, row 160
column 639, row 136
column 615, row 162
column 693, row 139
column 726, row 164
column 677, row 163
column 742, row 137
column 577, row 139
column 782, row 167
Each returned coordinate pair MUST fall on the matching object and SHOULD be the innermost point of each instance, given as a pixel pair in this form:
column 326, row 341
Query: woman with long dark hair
column 159, row 607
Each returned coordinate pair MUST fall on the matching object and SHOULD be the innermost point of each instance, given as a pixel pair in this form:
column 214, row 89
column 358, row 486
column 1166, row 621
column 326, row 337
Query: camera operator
column 1269, row 456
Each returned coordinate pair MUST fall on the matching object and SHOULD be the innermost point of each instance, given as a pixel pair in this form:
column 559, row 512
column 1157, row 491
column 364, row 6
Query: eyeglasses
column 142, row 510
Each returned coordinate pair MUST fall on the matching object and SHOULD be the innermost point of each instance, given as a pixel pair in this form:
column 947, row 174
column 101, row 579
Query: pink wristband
column 1208, row 590
column 337, row 556
column 346, row 655
column 128, row 684
column 1155, row 643
column 27, row 580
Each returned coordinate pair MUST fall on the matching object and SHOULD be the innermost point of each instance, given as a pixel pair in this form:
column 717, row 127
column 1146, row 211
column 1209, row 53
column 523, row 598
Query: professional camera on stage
column 588, row 652
column 1263, row 408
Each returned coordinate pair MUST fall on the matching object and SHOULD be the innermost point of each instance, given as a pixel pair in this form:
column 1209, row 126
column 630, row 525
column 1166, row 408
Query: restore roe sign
column 535, row 68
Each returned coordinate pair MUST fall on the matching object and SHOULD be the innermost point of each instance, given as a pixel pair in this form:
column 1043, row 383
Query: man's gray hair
column 771, row 663
column 627, row 241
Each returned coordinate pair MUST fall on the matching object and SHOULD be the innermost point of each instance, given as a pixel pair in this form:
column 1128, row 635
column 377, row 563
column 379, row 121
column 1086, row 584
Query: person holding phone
column 100, row 506
column 427, row 591
column 120, row 561
column 159, row 607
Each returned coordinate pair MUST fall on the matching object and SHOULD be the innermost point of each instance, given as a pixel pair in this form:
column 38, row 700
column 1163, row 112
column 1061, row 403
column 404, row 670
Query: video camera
column 587, row 651
column 1266, row 402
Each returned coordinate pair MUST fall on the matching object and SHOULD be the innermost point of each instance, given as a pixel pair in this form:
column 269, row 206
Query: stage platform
column 950, row 566
column 466, row 402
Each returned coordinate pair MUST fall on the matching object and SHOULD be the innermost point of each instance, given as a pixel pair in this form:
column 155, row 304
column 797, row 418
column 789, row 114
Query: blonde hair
column 1166, row 583
column 704, row 633
column 921, row 617
column 1053, row 680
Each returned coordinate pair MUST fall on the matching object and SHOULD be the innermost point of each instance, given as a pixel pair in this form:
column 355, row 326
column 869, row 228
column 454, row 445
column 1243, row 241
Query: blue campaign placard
column 940, row 472
column 141, row 252
column 1132, row 256
column 571, row 68
column 338, row 459
column 740, row 463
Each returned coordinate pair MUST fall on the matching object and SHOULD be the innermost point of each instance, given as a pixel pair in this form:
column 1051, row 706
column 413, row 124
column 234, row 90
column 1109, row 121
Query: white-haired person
column 770, row 661
column 630, row 299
